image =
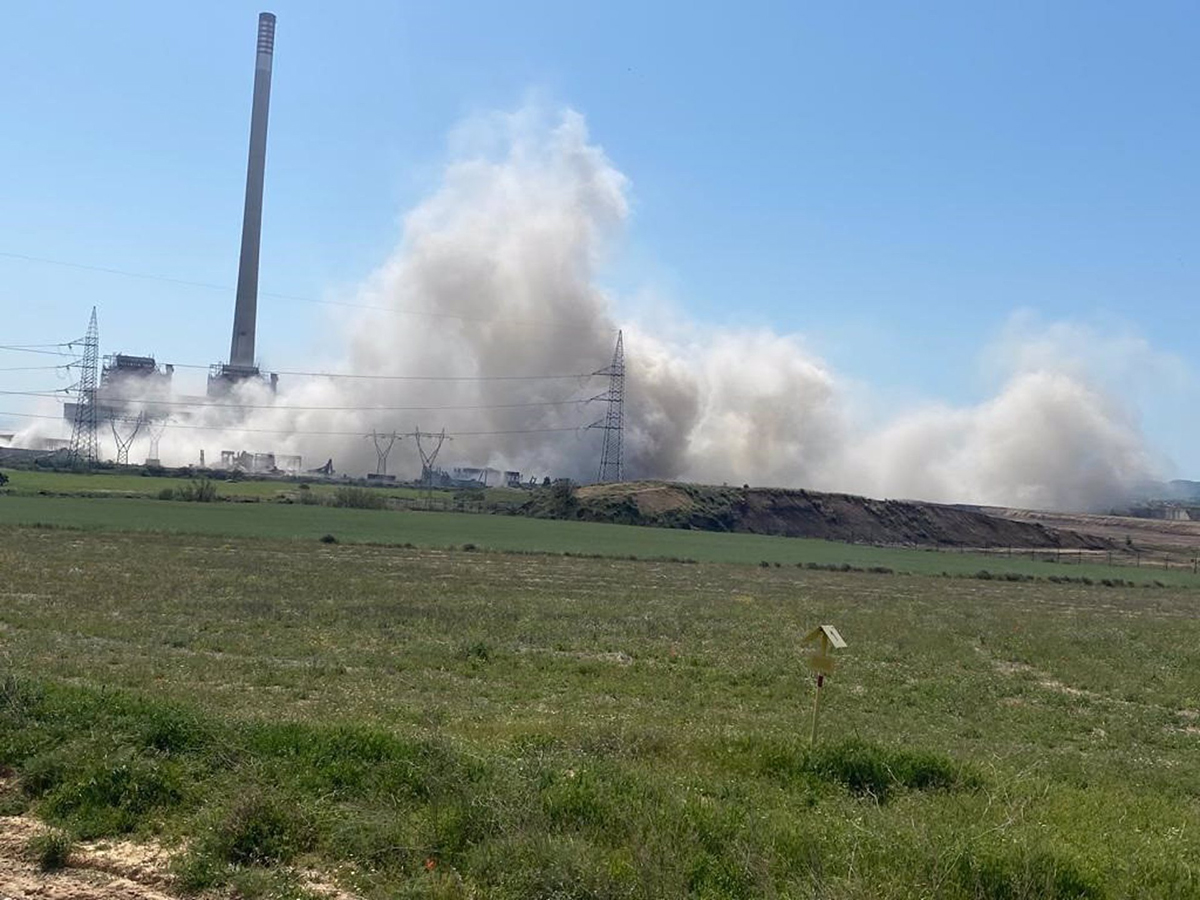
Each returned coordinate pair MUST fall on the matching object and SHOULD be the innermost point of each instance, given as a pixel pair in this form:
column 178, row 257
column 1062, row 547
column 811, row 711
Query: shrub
column 257, row 829
column 201, row 490
column 868, row 769
column 172, row 730
column 563, row 501
column 112, row 795
column 166, row 494
column 1013, row 873
column 477, row 650
column 328, row 539
column 51, row 849
column 359, row 498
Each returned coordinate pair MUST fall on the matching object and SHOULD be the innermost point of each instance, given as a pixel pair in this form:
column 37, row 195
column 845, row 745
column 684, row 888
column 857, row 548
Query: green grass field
column 432, row 723
column 514, row 533
column 104, row 483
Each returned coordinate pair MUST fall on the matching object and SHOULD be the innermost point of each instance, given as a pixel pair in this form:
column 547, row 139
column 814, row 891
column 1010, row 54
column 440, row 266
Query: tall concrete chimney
column 245, row 313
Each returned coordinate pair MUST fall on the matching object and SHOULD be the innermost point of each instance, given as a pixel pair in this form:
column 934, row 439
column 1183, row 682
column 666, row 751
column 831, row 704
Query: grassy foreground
column 429, row 723
column 519, row 534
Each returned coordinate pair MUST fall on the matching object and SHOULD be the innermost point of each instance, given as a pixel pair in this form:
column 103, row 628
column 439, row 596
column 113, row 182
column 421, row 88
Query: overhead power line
column 35, row 349
column 369, row 376
column 54, row 392
column 38, row 368
column 36, row 346
column 376, row 377
column 290, row 431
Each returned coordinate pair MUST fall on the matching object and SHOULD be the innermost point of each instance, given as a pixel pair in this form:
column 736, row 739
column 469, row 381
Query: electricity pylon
column 614, row 420
column 383, row 446
column 124, row 441
column 85, row 448
column 428, row 457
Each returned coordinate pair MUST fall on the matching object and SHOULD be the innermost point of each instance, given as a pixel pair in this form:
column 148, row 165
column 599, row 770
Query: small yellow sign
column 821, row 664
column 827, row 639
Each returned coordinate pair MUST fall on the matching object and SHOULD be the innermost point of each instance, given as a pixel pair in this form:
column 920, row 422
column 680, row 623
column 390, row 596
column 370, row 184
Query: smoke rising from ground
column 506, row 253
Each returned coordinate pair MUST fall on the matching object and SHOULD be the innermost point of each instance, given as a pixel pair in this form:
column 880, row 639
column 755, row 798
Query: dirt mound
column 837, row 517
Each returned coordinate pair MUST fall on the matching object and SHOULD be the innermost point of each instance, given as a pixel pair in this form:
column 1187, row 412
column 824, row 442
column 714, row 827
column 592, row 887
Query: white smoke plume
column 506, row 253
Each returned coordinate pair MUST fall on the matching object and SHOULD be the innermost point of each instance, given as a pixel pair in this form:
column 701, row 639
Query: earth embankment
column 799, row 513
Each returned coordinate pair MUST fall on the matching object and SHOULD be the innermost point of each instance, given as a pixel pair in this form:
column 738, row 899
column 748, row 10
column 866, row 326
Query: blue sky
column 892, row 180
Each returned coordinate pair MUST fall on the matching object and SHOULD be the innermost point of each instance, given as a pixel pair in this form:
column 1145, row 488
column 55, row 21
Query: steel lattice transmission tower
column 155, row 427
column 428, row 457
column 383, row 447
column 85, row 447
column 614, row 421
column 124, row 440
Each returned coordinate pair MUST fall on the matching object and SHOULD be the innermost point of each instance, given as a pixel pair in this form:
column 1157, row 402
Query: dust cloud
column 497, row 273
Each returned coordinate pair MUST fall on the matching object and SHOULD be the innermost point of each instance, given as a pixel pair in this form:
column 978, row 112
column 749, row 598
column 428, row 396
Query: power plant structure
column 135, row 388
column 132, row 396
column 242, row 366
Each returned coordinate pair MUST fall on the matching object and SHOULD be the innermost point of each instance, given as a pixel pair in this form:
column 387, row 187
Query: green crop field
column 513, row 533
column 101, row 484
column 434, row 723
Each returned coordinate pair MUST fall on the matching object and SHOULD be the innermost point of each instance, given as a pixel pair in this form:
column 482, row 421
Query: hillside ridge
column 797, row 513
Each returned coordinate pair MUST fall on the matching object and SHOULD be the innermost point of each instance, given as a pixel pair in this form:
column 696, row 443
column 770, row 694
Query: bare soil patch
column 120, row 871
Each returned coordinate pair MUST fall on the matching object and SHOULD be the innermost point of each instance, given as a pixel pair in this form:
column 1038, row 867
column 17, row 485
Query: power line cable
column 34, row 349
column 27, row 346
column 372, row 376
column 37, row 368
column 289, row 431
column 107, row 398
column 357, row 375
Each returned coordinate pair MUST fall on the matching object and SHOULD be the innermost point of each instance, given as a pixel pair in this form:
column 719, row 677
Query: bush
column 562, row 497
column 359, row 498
column 166, row 494
column 258, row 830
column 1012, row 873
column 51, row 849
column 202, row 490
column 477, row 650
column 868, row 769
column 309, row 497
column 328, row 539
column 112, row 795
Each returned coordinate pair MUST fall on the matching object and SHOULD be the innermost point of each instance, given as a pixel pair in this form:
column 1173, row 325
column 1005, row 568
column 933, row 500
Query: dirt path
column 102, row 871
